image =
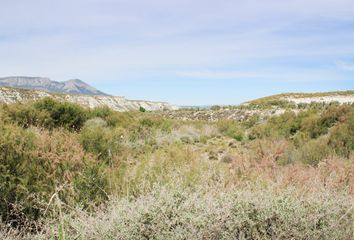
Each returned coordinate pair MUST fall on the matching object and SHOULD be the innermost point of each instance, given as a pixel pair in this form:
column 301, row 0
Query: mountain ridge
column 72, row 86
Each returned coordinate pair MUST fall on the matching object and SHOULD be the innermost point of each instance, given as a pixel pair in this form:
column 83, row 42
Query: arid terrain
column 267, row 169
column 177, row 120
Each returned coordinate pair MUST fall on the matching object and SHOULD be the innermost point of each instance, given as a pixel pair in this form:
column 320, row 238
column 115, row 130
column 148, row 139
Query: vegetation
column 69, row 172
column 141, row 109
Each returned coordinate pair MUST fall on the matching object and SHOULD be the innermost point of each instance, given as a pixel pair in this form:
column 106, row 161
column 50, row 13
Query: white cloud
column 345, row 66
column 277, row 75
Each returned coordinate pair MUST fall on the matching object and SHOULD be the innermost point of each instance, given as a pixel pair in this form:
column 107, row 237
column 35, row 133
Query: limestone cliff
column 12, row 95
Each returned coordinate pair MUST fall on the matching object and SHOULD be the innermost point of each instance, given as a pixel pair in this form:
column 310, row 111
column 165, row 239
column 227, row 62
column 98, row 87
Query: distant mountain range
column 73, row 86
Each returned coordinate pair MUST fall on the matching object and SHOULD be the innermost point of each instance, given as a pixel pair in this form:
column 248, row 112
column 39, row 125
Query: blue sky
column 185, row 52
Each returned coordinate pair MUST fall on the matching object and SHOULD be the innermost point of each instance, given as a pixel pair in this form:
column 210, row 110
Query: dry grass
column 260, row 163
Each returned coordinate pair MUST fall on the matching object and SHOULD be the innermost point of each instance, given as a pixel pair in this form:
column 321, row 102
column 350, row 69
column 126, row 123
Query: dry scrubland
column 71, row 173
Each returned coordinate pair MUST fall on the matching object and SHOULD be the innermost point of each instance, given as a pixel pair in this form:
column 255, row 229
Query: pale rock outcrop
column 121, row 104
column 325, row 99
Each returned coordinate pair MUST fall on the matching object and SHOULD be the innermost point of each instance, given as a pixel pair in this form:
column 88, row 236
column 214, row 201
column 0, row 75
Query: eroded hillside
column 263, row 108
column 116, row 103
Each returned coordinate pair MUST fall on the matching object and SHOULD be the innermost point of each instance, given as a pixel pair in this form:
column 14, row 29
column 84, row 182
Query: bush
column 284, row 125
column 16, row 175
column 34, row 167
column 25, row 115
column 64, row 114
column 310, row 152
column 113, row 118
column 317, row 125
column 231, row 129
column 46, row 113
column 147, row 122
column 251, row 121
column 211, row 213
column 342, row 137
column 91, row 185
column 215, row 108
column 103, row 142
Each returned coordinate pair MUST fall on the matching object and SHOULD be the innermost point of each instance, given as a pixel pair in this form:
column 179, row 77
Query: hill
column 117, row 103
column 263, row 107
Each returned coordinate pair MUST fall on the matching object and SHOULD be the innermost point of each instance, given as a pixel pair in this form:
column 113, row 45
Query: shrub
column 101, row 112
column 231, row 129
column 342, row 137
column 311, row 152
column 113, row 118
column 251, row 121
column 317, row 125
column 25, row 115
column 212, row 213
column 36, row 166
column 103, row 142
column 215, row 108
column 64, row 114
column 16, row 178
column 147, row 122
column 95, row 122
column 46, row 113
column 284, row 125
column 91, row 185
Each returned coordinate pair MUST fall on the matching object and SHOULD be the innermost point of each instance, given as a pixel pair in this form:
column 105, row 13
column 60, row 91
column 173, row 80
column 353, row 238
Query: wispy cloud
column 217, row 74
column 275, row 75
column 346, row 66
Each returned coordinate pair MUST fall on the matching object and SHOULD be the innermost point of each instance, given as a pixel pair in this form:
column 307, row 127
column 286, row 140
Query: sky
column 195, row 52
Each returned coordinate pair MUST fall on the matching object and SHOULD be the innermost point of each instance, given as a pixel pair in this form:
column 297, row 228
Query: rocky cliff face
column 12, row 95
column 74, row 86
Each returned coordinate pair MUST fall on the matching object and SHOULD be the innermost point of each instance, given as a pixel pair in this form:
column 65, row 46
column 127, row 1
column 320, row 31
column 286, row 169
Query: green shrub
column 64, row 114
column 342, row 137
column 310, row 152
column 16, row 178
column 46, row 113
column 101, row 141
column 284, row 125
column 251, row 121
column 215, row 108
column 101, row 112
column 147, row 122
column 91, row 185
column 26, row 115
column 113, row 118
column 231, row 129
column 319, row 124
column 36, row 166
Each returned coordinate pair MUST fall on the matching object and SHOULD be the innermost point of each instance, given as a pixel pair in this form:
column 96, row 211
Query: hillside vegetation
column 67, row 172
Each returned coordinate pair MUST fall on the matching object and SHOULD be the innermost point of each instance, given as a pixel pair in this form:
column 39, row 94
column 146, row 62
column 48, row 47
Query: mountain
column 74, row 86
